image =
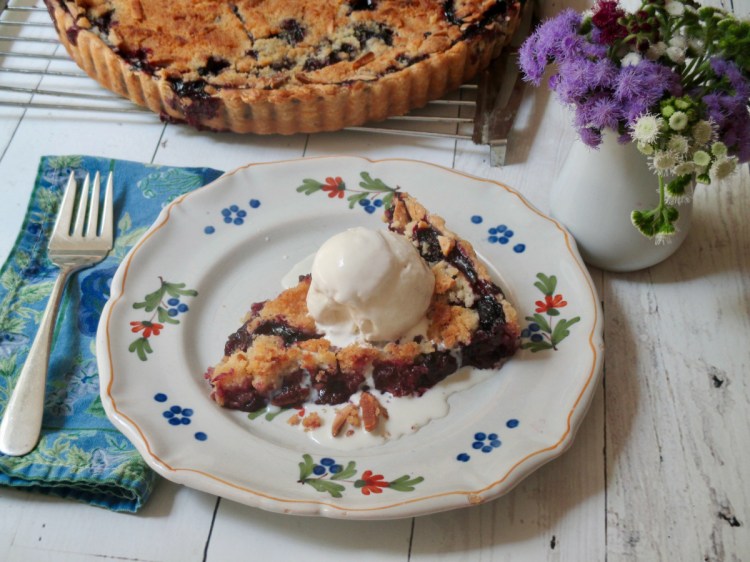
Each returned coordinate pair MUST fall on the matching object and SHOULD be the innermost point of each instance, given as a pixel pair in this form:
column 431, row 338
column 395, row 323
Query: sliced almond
column 342, row 416
column 372, row 410
column 364, row 59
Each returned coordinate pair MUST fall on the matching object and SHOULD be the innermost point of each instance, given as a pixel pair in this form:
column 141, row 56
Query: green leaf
column 96, row 408
column 536, row 346
column 152, row 300
column 178, row 289
column 11, row 280
column 309, row 186
column 142, row 347
column 271, row 415
column 546, row 285
column 371, row 184
column 162, row 314
column 332, row 488
column 305, row 467
column 256, row 414
column 349, row 471
column 125, row 223
column 562, row 330
column 388, row 201
column 11, row 325
column 553, row 312
column 36, row 292
column 356, row 198
column 541, row 320
column 49, row 202
column 405, row 484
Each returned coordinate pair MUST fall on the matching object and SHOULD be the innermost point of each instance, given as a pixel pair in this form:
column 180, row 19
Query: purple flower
column 546, row 44
column 641, row 86
column 605, row 113
column 729, row 109
column 590, row 137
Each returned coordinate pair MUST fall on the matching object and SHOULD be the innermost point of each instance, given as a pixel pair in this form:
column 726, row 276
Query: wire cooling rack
column 36, row 72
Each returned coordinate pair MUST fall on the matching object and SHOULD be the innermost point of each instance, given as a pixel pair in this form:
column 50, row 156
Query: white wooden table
column 658, row 471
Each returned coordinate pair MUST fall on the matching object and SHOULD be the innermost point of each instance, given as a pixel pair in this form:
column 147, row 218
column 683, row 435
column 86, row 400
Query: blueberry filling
column 402, row 378
column 374, row 30
column 336, row 387
column 362, row 5
column 286, row 332
column 103, row 22
column 283, row 64
column 213, row 66
column 242, row 339
column 449, row 11
column 292, row 393
column 292, row 32
column 138, row 59
column 499, row 8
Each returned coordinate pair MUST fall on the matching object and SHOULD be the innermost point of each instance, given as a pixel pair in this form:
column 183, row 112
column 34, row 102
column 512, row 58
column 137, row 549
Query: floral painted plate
column 213, row 252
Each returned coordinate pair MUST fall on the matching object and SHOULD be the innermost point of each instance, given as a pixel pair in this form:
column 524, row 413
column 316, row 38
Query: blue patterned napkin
column 80, row 454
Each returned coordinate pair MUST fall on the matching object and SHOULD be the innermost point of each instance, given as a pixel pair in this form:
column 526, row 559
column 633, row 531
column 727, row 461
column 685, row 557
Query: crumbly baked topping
column 282, row 66
column 280, row 43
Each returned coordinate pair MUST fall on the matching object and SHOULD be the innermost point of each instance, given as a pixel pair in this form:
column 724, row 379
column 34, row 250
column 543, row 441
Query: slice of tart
column 280, row 357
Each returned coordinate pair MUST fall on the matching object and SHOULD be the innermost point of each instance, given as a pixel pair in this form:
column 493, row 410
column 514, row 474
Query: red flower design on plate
column 335, row 187
column 147, row 327
column 550, row 302
column 373, row 483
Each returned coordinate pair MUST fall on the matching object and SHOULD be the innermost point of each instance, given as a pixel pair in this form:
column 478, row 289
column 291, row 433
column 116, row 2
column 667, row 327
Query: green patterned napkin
column 80, row 454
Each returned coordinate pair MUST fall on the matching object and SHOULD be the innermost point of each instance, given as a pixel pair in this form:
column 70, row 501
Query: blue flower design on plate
column 486, row 442
column 177, row 415
column 233, row 214
column 327, row 465
column 501, row 234
column 370, row 206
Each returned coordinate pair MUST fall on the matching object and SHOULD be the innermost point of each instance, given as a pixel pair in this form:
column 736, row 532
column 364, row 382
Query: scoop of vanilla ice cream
column 369, row 285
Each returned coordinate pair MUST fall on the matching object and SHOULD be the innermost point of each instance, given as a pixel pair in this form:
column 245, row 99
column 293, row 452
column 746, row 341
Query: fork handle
column 22, row 421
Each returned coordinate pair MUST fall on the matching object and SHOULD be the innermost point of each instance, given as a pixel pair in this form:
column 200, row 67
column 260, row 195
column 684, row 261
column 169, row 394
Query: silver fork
column 70, row 251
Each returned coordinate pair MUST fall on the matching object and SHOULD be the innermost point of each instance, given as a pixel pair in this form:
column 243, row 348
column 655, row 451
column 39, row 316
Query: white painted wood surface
column 658, row 470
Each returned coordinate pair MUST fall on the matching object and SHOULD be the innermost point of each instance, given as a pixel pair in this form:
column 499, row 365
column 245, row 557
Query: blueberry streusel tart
column 282, row 66
column 279, row 357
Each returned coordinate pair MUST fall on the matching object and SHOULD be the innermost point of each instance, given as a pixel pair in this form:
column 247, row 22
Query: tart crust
column 289, row 106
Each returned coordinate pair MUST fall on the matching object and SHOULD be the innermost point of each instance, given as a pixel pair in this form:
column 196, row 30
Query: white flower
column 678, row 41
column 719, row 149
column 701, row 158
column 646, row 128
column 703, row 132
column 678, row 144
column 631, row 59
column 646, row 149
column 684, row 169
column 697, row 45
column 663, row 162
column 678, row 121
column 676, row 54
column 662, row 239
column 656, row 50
column 722, row 168
column 675, row 8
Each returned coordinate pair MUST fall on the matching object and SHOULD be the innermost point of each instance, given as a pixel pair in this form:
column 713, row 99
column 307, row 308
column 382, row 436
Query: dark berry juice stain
column 214, row 65
column 201, row 106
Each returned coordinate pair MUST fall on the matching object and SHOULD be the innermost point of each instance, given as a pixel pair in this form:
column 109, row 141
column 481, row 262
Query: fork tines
column 65, row 214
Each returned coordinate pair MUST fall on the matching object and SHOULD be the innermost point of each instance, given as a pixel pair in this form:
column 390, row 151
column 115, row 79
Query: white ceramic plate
column 214, row 252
